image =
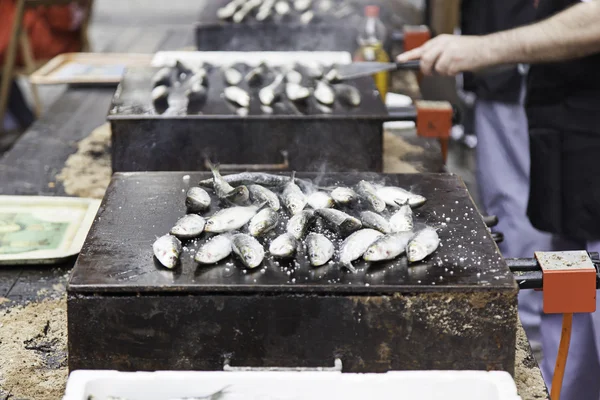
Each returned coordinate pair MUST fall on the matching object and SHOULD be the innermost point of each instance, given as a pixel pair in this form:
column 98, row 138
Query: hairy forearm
column 570, row 34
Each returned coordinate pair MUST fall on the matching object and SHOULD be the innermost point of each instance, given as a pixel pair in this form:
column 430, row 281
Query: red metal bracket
column 569, row 282
column 415, row 36
column 434, row 120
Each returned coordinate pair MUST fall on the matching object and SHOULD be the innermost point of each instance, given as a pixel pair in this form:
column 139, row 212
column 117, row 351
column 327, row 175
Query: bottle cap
column 372, row 11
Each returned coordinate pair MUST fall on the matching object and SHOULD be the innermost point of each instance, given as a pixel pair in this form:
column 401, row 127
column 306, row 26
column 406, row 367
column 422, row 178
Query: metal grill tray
column 139, row 207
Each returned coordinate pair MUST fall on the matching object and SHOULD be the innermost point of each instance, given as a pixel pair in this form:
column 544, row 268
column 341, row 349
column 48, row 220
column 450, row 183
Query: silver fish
column 388, row 247
column 395, row 196
column 283, row 246
column 293, row 76
column 355, row 245
column 299, row 223
column 230, row 219
column 348, row 94
column 232, row 76
column 197, row 199
column 339, row 221
column 249, row 178
column 239, row 196
column 215, row 250
column 320, row 200
column 307, row 16
column 424, row 243
column 369, row 193
column 196, row 95
column 313, row 69
column 343, row 195
column 265, row 10
column 264, row 221
column 248, row 249
column 269, row 94
column 282, row 7
column 164, row 77
column 238, row 96
column 293, row 198
column 222, row 188
column 229, row 9
column 256, row 75
column 260, row 194
column 302, row 5
column 242, row 111
column 320, row 249
column 375, row 221
column 295, row 92
column 167, row 250
column 333, row 76
column 160, row 97
column 402, row 220
column 245, row 10
column 188, row 227
column 324, row 93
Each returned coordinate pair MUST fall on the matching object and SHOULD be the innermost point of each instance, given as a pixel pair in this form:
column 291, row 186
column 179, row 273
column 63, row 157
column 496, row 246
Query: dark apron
column 563, row 109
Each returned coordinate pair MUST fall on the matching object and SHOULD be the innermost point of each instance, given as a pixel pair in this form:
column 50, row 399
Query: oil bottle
column 370, row 46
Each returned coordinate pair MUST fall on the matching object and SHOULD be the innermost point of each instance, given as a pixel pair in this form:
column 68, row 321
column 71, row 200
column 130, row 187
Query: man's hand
column 449, row 55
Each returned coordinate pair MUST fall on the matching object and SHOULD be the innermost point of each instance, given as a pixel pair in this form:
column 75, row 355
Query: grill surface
column 133, row 100
column 117, row 255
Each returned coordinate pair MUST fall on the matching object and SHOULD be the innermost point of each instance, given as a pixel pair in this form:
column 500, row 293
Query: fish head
column 251, row 257
column 212, row 225
column 296, row 205
column 375, row 253
column 168, row 257
column 417, row 200
column 258, row 227
column 416, row 251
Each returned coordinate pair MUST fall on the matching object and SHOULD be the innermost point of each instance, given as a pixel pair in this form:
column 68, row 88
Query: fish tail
column 400, row 204
column 350, row 267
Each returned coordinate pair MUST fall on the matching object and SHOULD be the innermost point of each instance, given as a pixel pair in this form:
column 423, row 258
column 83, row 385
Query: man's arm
column 572, row 33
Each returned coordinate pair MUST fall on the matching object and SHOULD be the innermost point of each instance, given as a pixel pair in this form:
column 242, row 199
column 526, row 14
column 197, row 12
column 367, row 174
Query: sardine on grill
column 293, row 198
column 282, row 8
column 167, row 250
column 269, row 94
column 299, row 223
column 295, row 92
column 375, row 221
column 160, row 98
column 248, row 249
column 402, row 220
column 333, row 76
column 214, row 250
column 343, row 195
column 232, row 76
column 368, row 193
column 424, row 243
column 248, row 6
column 230, row 219
column 257, row 75
column 395, row 196
column 320, row 200
column 249, row 178
column 339, row 221
column 293, row 76
column 388, row 247
column 197, row 199
column 196, row 95
column 238, row 96
column 348, row 94
column 283, row 246
column 260, row 194
column 164, row 77
column 302, row 5
column 229, row 9
column 188, row 227
column 324, row 93
column 307, row 17
column 264, row 221
column 265, row 10
column 355, row 245
column 320, row 249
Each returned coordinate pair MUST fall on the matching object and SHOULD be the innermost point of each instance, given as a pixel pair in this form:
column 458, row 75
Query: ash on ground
column 87, row 172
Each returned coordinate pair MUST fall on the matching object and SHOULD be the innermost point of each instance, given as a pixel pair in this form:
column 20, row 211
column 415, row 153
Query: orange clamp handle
column 569, row 282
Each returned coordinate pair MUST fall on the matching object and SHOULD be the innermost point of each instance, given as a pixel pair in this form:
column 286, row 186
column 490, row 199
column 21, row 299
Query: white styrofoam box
column 267, row 385
column 252, row 58
column 399, row 125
